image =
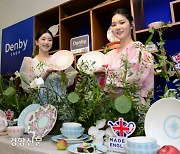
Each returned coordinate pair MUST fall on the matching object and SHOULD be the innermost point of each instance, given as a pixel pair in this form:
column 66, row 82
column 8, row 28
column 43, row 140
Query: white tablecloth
column 46, row 146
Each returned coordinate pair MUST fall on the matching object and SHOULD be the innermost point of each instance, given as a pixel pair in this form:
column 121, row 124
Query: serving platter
column 101, row 148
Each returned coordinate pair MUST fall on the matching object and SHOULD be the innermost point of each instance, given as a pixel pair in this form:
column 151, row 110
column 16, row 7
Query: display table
column 46, row 146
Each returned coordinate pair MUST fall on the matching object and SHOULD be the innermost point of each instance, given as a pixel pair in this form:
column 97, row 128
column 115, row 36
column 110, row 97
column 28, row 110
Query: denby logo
column 21, row 44
column 17, row 42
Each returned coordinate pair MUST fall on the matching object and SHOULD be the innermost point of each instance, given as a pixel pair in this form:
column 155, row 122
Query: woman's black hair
column 39, row 34
column 125, row 13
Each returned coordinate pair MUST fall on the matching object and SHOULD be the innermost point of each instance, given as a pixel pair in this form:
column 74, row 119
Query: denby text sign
column 17, row 42
column 80, row 44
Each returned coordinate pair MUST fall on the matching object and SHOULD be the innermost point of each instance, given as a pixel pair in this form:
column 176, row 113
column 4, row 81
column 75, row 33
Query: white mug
column 3, row 124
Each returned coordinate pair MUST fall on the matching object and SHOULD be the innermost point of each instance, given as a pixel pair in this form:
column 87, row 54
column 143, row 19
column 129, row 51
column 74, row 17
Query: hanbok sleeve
column 71, row 74
column 26, row 71
column 141, row 69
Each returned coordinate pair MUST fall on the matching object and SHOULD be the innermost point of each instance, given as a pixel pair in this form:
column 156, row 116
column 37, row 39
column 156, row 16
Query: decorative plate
column 162, row 122
column 110, row 36
column 62, row 59
column 42, row 121
column 54, row 29
column 90, row 61
column 23, row 119
column 78, row 140
column 101, row 148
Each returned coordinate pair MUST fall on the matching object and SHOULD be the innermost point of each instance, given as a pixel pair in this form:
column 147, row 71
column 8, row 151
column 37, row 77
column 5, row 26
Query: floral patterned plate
column 23, row 119
column 91, row 61
column 42, row 121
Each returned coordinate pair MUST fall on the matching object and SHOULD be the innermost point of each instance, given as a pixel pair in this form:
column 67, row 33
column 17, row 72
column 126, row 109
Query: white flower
column 101, row 123
column 93, row 131
column 98, row 139
column 96, row 134
column 17, row 74
column 11, row 78
column 109, row 132
column 37, row 83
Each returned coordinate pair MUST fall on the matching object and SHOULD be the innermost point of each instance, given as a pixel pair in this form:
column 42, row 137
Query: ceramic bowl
column 141, row 151
column 15, row 131
column 72, row 126
column 142, row 142
column 72, row 134
column 156, row 24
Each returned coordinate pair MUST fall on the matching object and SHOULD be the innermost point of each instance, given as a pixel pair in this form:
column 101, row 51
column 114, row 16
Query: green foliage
column 11, row 96
column 163, row 67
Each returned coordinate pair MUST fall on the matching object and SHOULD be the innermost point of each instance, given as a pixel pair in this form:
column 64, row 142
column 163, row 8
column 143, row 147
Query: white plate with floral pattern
column 23, row 119
column 162, row 122
column 91, row 61
column 42, row 121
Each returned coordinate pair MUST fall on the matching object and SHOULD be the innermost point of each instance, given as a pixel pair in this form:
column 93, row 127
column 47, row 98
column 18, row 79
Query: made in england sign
column 17, row 42
column 80, row 44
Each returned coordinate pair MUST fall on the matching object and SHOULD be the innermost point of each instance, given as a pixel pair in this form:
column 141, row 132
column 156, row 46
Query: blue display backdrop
column 17, row 42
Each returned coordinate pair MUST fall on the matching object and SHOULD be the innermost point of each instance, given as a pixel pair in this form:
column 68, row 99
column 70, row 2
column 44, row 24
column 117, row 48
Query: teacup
column 73, row 133
column 72, row 126
column 3, row 124
column 15, row 131
column 142, row 142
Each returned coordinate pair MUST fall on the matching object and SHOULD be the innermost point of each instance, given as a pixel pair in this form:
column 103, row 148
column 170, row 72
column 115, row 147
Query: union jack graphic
column 122, row 128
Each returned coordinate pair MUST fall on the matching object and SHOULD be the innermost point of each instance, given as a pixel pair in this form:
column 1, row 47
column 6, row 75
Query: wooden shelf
column 93, row 17
column 175, row 11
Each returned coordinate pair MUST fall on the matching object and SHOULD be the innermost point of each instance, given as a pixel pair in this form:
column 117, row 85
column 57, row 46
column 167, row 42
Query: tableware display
column 156, row 24
column 141, row 151
column 54, row 29
column 15, row 131
column 142, row 142
column 72, row 133
column 3, row 124
column 71, row 126
column 110, row 35
column 24, row 116
column 62, row 59
column 162, row 122
column 42, row 121
column 70, row 141
column 100, row 148
column 91, row 61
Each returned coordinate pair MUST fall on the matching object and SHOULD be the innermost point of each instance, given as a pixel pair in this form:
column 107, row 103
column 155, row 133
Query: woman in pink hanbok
column 131, row 61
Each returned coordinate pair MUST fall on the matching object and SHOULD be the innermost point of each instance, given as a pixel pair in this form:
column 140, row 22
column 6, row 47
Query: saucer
column 77, row 140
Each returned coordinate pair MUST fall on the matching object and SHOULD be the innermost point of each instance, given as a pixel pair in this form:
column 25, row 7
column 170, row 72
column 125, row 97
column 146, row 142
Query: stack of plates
column 77, row 140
